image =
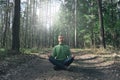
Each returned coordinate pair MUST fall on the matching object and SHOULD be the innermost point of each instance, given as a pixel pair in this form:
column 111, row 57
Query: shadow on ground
column 34, row 67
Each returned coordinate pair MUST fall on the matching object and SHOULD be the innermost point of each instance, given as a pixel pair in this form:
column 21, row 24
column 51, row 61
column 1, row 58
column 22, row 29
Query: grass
column 36, row 50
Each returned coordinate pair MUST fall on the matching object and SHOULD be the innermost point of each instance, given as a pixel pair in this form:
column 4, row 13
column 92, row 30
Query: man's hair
column 60, row 36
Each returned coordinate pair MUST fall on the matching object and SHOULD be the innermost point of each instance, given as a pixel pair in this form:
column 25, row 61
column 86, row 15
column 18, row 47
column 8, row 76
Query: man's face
column 60, row 38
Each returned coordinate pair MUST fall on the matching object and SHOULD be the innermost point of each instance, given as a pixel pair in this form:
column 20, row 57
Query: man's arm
column 53, row 54
column 69, row 53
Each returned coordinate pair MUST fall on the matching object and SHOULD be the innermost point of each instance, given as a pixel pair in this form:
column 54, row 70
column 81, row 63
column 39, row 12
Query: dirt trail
column 37, row 67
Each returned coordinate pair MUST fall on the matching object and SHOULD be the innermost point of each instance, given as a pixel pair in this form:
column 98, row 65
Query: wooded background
column 37, row 23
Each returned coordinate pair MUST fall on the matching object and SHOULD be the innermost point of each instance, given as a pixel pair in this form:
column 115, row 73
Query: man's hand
column 73, row 56
column 49, row 55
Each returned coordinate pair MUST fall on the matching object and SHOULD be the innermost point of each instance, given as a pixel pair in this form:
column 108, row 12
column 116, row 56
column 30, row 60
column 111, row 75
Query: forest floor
column 86, row 66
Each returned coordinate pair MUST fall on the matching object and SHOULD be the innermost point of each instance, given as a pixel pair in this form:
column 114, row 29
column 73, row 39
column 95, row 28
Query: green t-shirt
column 61, row 52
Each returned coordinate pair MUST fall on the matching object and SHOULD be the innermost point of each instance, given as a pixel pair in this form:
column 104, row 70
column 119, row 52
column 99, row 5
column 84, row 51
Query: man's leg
column 68, row 61
column 56, row 62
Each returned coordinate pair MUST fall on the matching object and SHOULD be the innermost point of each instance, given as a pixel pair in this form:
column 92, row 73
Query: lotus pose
column 61, row 56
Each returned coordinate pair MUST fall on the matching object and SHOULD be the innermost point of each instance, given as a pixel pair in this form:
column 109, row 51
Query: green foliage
column 34, row 32
column 87, row 38
column 111, row 23
column 28, row 51
column 89, row 18
column 3, row 53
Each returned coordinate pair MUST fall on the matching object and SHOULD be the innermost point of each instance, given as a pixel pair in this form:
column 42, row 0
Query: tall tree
column 102, row 38
column 75, row 24
column 16, row 27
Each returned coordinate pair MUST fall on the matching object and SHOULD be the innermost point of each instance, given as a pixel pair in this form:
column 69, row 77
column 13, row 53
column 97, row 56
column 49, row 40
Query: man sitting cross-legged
column 61, row 56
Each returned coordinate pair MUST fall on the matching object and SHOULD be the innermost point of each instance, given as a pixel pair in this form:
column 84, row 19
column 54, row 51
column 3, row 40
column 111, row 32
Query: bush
column 3, row 53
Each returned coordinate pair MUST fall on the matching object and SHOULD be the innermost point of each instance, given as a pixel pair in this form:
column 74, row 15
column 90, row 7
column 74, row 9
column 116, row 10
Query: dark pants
column 61, row 64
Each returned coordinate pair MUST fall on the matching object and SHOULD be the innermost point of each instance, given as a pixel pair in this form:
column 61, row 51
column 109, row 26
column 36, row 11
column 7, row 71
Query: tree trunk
column 75, row 25
column 5, row 25
column 102, row 38
column 16, row 27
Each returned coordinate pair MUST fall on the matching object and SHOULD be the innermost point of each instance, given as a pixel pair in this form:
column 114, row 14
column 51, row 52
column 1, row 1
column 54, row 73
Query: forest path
column 37, row 67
